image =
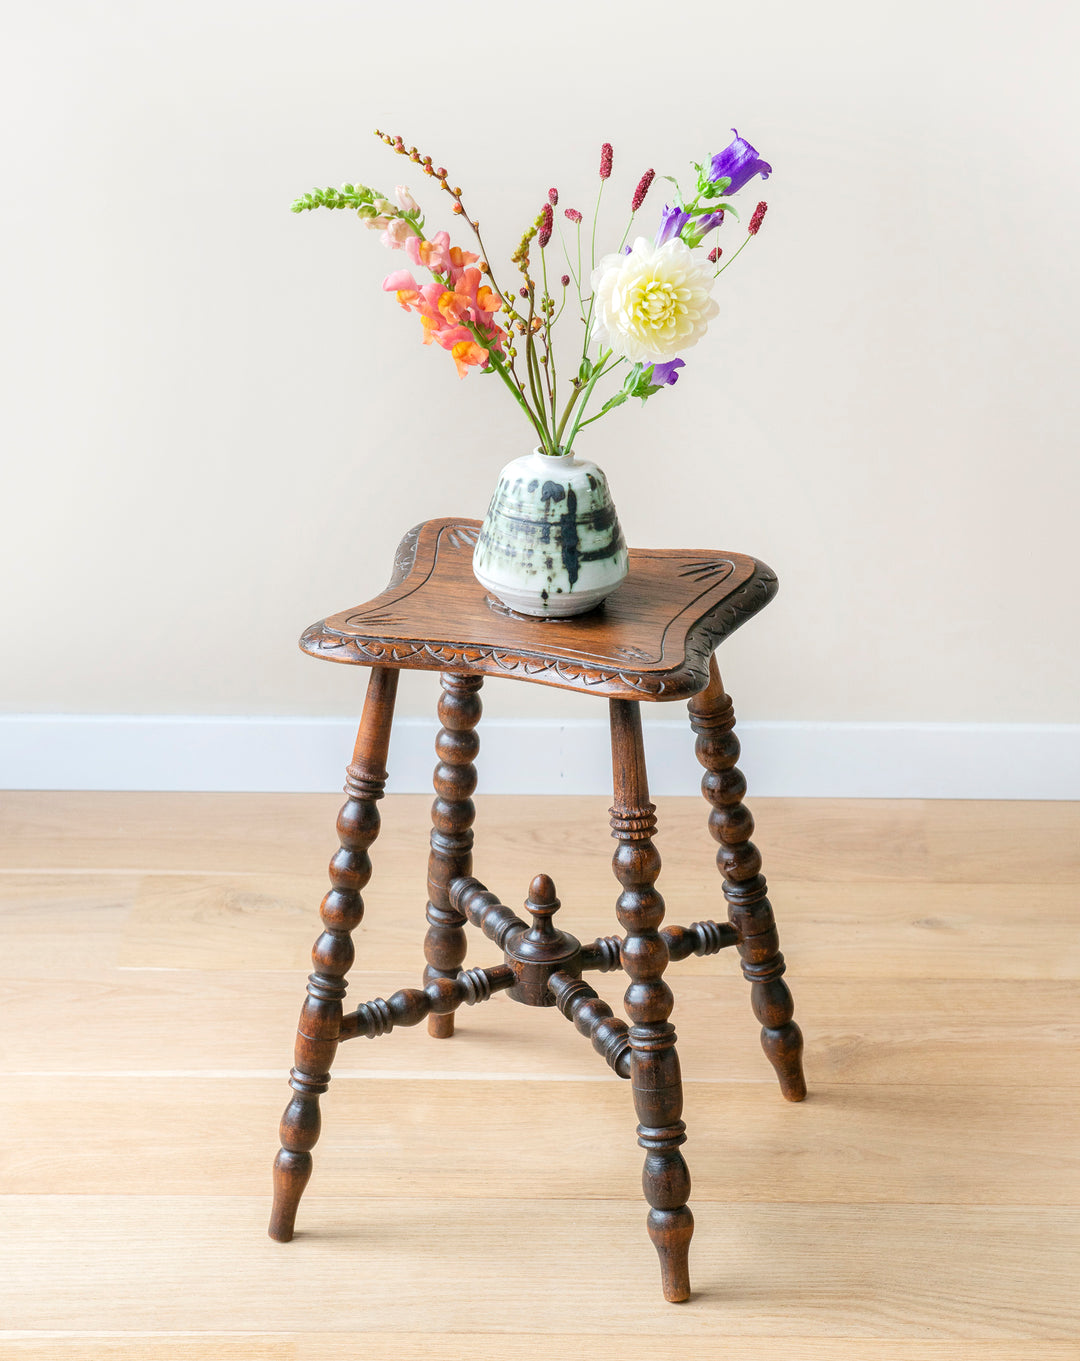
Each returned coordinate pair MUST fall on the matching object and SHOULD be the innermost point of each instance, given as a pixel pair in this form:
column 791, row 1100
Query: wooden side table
column 652, row 640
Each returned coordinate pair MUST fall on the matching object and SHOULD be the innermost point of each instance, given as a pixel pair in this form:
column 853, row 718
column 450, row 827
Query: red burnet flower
column 758, row 218
column 642, row 190
column 553, row 197
column 565, row 281
column 572, row 215
column 715, row 254
column 543, row 236
column 606, row 155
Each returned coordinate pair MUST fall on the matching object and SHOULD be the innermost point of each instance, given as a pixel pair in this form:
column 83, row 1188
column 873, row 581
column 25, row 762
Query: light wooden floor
column 480, row 1197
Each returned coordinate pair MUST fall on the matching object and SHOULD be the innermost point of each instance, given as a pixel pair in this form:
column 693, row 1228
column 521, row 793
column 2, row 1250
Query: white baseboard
column 794, row 759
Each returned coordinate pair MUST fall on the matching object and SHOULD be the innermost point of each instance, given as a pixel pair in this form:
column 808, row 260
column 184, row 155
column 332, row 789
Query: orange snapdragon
column 452, row 304
column 464, row 350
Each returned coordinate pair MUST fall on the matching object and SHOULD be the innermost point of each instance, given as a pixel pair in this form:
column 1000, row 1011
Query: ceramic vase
column 550, row 545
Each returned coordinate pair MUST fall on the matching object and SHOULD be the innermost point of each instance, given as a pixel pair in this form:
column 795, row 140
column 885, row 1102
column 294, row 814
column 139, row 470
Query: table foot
column 671, row 1231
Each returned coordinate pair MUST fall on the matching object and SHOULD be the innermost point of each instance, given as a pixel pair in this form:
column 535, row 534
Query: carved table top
column 651, row 639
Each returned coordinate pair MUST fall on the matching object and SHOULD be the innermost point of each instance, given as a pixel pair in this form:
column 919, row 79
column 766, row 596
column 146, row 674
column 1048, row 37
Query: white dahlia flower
column 652, row 303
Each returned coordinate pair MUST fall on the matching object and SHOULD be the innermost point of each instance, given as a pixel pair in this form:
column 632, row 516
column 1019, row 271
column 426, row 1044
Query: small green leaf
column 678, row 191
column 639, row 382
column 631, row 379
column 716, row 188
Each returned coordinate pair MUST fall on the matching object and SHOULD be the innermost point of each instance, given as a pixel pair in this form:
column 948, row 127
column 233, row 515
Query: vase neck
column 553, row 461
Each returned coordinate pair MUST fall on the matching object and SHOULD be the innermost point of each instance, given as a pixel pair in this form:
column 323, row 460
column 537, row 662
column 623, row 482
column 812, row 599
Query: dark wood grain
column 712, row 717
column 537, row 954
column 655, row 1075
column 409, row 1006
column 452, row 814
column 651, row 639
column 594, row 1019
column 342, row 911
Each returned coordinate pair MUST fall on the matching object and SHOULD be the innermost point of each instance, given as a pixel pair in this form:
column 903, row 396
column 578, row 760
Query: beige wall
column 217, row 427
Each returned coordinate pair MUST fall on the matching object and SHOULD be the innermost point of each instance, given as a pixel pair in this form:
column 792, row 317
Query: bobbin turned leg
column 452, row 814
column 342, row 910
column 712, row 717
column 654, row 1065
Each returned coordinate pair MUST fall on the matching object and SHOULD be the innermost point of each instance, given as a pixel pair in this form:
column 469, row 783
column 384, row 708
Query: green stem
column 538, row 424
column 586, row 393
column 497, row 364
column 579, row 388
column 566, row 253
column 732, row 258
column 533, row 368
column 599, row 416
column 552, row 376
column 595, row 219
column 536, row 384
column 626, row 233
column 592, row 256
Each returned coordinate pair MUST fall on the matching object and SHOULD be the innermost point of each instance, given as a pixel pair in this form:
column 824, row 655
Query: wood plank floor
column 480, row 1197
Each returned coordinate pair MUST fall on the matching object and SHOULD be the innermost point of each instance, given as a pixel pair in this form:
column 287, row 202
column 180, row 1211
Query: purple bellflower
column 672, row 221
column 666, row 375
column 704, row 225
column 695, row 231
column 739, row 163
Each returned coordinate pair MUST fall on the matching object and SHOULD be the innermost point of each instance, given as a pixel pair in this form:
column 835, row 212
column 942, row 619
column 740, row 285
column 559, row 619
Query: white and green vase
column 550, row 544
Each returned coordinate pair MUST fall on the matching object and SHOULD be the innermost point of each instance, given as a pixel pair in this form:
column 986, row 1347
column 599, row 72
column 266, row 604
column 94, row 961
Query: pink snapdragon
column 433, row 255
column 397, row 234
column 405, row 286
column 464, row 350
column 453, row 308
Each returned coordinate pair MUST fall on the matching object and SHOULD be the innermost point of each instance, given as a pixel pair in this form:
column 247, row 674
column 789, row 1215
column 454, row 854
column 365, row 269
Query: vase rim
column 554, row 458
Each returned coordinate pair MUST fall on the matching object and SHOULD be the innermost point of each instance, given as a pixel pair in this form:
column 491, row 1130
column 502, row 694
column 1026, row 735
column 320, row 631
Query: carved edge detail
column 693, row 675
column 405, row 556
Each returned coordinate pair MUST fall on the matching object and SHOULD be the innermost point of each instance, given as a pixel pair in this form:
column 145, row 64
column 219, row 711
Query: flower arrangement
column 641, row 306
